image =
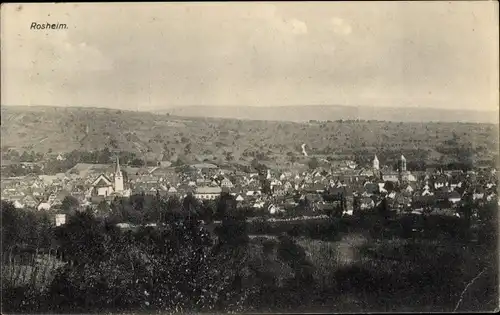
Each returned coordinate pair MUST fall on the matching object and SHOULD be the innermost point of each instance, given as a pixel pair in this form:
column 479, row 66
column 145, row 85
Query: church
column 402, row 174
column 104, row 186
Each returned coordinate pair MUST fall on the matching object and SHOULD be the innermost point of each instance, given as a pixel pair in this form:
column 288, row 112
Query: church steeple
column 376, row 165
column 118, row 177
column 118, row 170
column 403, row 163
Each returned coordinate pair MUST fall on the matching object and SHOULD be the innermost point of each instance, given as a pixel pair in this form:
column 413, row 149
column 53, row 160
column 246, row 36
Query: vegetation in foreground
column 187, row 266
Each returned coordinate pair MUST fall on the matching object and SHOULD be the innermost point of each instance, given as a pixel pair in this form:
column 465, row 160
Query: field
column 165, row 137
column 35, row 270
column 359, row 273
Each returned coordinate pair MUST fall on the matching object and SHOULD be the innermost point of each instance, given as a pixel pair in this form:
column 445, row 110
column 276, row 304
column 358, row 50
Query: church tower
column 376, row 165
column 118, row 177
column 403, row 164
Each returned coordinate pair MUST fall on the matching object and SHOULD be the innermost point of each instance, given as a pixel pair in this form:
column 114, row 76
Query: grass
column 37, row 271
column 363, row 271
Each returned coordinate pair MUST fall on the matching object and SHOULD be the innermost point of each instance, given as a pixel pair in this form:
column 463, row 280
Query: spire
column 376, row 164
column 118, row 171
column 118, row 177
column 403, row 164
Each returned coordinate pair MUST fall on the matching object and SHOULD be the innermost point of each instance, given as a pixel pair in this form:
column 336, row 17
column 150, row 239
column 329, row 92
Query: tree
column 313, row 163
column 82, row 238
column 389, row 186
column 69, row 204
column 190, row 205
column 102, row 209
column 233, row 229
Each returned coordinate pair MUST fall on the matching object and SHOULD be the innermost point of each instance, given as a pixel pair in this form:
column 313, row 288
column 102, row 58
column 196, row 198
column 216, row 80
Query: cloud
column 243, row 53
column 339, row 26
column 298, row 27
column 83, row 57
column 276, row 21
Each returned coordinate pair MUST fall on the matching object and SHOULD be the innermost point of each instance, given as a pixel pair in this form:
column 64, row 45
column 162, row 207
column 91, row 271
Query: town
column 343, row 186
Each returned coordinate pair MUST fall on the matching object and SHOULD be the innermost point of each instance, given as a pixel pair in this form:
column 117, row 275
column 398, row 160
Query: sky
column 162, row 55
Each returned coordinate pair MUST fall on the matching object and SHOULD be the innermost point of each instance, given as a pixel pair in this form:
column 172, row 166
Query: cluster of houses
column 273, row 191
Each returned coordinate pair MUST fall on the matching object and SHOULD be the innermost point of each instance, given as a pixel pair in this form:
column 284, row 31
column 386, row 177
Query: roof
column 204, row 165
column 424, row 200
column 337, row 190
column 454, row 195
column 390, row 173
column 102, row 180
column 371, row 188
column 208, row 190
column 366, row 200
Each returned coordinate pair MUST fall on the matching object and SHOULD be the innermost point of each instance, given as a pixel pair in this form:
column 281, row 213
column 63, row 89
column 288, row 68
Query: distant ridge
column 335, row 112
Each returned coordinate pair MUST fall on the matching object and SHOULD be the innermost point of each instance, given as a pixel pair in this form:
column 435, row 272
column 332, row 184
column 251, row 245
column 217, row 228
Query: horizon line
column 146, row 109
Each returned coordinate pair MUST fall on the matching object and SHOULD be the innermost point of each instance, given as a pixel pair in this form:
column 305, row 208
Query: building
column 118, row 178
column 207, row 193
column 104, row 186
column 402, row 164
column 376, row 164
column 390, row 176
column 60, row 219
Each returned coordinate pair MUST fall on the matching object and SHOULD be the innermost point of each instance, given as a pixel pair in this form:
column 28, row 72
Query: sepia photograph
column 250, row 157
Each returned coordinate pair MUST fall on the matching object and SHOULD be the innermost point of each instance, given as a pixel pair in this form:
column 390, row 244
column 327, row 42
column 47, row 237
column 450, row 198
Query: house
column 273, row 209
column 367, row 173
column 421, row 202
column 402, row 201
column 172, row 190
column 37, row 192
column 390, row 176
column 57, row 201
column 165, row 163
column 279, row 191
column 426, row 191
column 491, row 196
column 102, row 186
column 454, row 197
column 60, row 219
column 252, row 193
column 381, row 188
column 408, row 177
column 60, row 157
column 43, row 206
column 30, row 201
column 258, row 205
column 440, row 181
column 226, row 183
column 315, row 188
column 409, row 188
column 18, row 204
column 239, row 198
column 478, row 193
column 207, row 192
column 392, row 195
column 366, row 203
column 370, row 189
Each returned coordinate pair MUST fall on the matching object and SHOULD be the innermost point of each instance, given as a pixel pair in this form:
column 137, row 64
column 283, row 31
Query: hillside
column 306, row 113
column 156, row 136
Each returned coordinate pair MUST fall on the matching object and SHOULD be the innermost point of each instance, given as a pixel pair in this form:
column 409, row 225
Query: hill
column 167, row 137
column 320, row 112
